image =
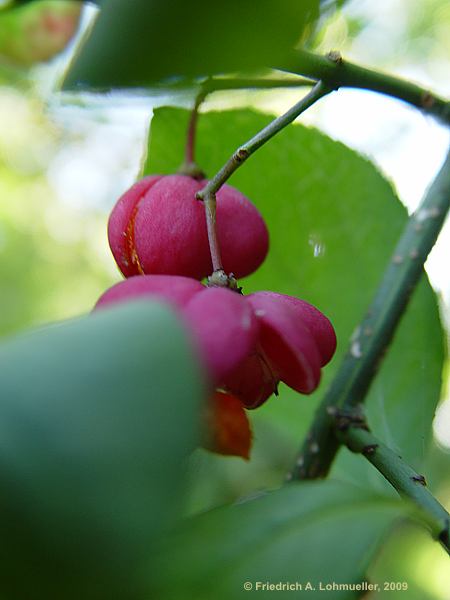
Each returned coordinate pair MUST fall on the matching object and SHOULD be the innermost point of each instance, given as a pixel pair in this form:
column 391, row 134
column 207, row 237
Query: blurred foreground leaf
column 139, row 42
column 96, row 416
column 333, row 221
column 312, row 532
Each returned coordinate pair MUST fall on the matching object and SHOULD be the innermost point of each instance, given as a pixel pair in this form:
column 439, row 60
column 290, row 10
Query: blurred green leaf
column 37, row 31
column 309, row 532
column 334, row 221
column 94, row 429
column 45, row 276
column 139, row 42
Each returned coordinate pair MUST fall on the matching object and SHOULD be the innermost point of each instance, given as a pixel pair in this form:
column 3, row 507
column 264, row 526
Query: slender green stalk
column 263, row 136
column 192, row 130
column 408, row 483
column 220, row 84
column 211, row 85
column 336, row 72
column 371, row 339
column 189, row 166
column 217, row 84
column 210, row 208
column 208, row 193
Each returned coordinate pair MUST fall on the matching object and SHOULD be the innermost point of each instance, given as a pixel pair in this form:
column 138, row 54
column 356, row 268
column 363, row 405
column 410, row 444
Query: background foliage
column 55, row 261
column 327, row 208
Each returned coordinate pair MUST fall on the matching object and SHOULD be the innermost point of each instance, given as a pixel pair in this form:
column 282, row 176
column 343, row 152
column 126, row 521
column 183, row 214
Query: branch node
column 369, row 449
column 336, row 57
column 191, row 169
column 355, row 349
column 220, row 279
column 427, row 100
column 241, row 155
column 314, row 448
column 419, row 479
column 336, row 72
column 345, row 420
column 443, row 536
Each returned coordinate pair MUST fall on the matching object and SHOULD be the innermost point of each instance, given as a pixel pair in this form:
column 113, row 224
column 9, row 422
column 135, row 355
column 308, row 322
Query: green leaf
column 141, row 42
column 97, row 415
column 309, row 532
column 333, row 221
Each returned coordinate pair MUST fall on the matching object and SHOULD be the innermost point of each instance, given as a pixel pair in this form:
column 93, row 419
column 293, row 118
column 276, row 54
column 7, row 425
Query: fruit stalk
column 192, row 130
column 210, row 210
column 209, row 200
column 372, row 337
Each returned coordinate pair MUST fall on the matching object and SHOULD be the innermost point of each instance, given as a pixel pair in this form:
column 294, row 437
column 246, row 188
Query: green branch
column 371, row 339
column 263, row 136
column 208, row 193
column 408, row 483
column 336, row 72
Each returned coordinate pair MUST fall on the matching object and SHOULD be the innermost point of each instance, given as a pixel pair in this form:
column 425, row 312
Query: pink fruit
column 225, row 328
column 177, row 291
column 242, row 233
column 222, row 323
column 159, row 226
column 248, row 344
column 253, row 381
column 288, row 344
column 121, row 226
column 295, row 340
column 310, row 316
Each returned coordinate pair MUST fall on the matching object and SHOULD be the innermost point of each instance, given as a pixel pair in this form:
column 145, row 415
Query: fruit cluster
column 248, row 344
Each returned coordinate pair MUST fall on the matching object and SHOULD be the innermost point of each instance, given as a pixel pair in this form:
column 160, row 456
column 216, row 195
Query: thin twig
column 263, row 136
column 408, row 483
column 337, row 72
column 371, row 339
column 218, row 84
column 208, row 193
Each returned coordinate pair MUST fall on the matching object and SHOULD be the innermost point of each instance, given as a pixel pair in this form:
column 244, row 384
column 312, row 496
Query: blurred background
column 64, row 161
